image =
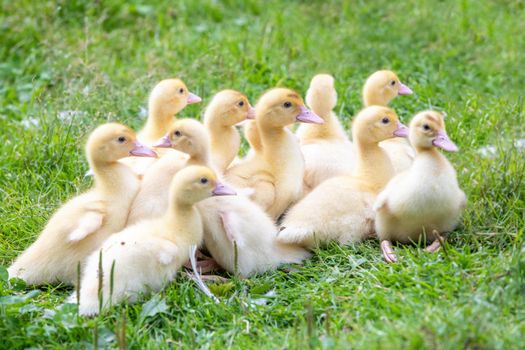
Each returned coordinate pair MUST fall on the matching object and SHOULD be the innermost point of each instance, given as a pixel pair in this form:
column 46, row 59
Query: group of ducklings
column 180, row 183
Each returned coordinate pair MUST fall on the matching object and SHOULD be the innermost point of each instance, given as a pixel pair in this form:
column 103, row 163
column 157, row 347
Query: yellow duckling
column 227, row 109
column 380, row 89
column 186, row 135
column 167, row 98
column 425, row 199
column 84, row 222
column 340, row 208
column 146, row 256
column 326, row 148
column 276, row 171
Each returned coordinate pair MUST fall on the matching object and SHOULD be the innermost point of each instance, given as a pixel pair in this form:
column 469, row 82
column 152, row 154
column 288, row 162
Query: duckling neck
column 158, row 123
column 115, row 179
column 431, row 154
column 200, row 159
column 281, row 150
column 373, row 165
column 225, row 142
column 184, row 223
column 375, row 99
column 330, row 130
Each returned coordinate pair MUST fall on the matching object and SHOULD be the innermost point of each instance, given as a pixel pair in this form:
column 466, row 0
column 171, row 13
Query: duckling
column 326, row 148
column 276, row 171
column 340, row 208
column 84, row 222
column 167, row 98
column 236, row 226
column 425, row 199
column 186, row 135
column 146, row 256
column 380, row 89
column 226, row 109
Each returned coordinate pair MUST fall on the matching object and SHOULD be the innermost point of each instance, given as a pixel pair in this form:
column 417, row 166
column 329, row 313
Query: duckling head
column 321, row 95
column 188, row 136
column 280, row 107
column 227, row 108
column 195, row 183
column 113, row 141
column 170, row 96
column 377, row 123
column 382, row 87
column 427, row 130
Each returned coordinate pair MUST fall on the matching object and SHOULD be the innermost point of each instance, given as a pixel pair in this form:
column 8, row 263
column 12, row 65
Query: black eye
column 393, row 82
column 241, row 103
column 121, row 139
column 181, row 90
column 177, row 133
column 385, row 120
column 287, row 104
column 426, row 127
column 204, row 180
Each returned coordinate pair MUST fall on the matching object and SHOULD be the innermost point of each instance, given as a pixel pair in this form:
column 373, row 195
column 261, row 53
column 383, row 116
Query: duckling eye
column 287, row 104
column 426, row 127
column 177, row 133
column 393, row 82
column 203, row 180
column 241, row 103
column 181, row 90
column 385, row 120
column 121, row 139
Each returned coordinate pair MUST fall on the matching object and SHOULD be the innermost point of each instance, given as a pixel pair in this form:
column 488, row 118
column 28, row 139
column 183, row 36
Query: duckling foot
column 205, row 265
column 388, row 251
column 436, row 245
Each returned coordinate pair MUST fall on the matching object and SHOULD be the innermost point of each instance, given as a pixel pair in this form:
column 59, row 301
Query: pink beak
column 192, row 98
column 251, row 113
column 404, row 90
column 401, row 131
column 307, row 116
column 223, row 190
column 139, row 150
column 443, row 141
column 164, row 142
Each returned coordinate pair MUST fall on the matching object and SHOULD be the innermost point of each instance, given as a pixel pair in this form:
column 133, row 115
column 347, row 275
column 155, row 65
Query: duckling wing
column 87, row 224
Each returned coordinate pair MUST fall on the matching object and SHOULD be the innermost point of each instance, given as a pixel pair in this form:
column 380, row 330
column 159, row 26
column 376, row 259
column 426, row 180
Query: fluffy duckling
column 340, row 208
column 237, row 222
column 226, row 109
column 425, row 199
column 380, row 89
column 84, row 222
column 186, row 135
column 326, row 148
column 146, row 256
column 275, row 172
column 167, row 98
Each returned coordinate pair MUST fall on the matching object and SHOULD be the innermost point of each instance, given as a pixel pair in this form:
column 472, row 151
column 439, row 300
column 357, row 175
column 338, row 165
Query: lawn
column 67, row 66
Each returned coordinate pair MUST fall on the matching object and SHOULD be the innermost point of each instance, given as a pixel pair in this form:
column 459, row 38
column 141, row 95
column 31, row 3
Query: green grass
column 101, row 58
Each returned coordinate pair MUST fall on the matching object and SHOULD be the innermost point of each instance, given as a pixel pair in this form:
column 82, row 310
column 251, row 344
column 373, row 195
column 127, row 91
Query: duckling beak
column 307, row 116
column 140, row 150
column 443, row 141
column 192, row 98
column 404, row 90
column 164, row 142
column 401, row 131
column 223, row 190
column 251, row 113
